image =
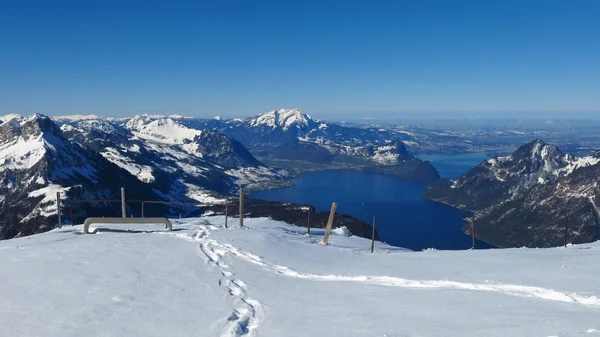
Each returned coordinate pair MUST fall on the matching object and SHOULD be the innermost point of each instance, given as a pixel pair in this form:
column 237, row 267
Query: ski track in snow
column 214, row 250
column 248, row 314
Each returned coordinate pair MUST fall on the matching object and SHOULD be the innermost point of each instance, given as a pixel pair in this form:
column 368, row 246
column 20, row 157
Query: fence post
column 226, row 207
column 123, row 202
column 329, row 223
column 71, row 210
column 241, row 207
column 58, row 208
column 143, row 209
column 308, row 232
column 373, row 235
column 566, row 231
column 473, row 231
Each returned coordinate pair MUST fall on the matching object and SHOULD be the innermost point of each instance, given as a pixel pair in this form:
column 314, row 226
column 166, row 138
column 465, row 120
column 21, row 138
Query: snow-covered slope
column 272, row 280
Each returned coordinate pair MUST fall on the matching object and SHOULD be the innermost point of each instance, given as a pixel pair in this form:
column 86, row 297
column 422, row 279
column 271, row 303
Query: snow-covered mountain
column 289, row 137
column 267, row 280
column 282, row 119
column 36, row 161
column 87, row 158
column 525, row 199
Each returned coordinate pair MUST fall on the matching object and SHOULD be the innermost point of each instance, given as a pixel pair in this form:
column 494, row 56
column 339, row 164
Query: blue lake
column 403, row 218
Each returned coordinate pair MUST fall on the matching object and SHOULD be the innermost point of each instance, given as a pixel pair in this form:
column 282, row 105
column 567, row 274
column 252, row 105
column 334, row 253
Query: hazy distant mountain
column 524, row 199
column 293, row 139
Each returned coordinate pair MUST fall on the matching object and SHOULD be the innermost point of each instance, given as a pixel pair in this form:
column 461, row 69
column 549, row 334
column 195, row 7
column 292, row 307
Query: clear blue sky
column 237, row 58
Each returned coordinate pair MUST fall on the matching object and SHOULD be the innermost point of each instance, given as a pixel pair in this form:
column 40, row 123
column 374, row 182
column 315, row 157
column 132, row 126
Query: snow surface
column 270, row 279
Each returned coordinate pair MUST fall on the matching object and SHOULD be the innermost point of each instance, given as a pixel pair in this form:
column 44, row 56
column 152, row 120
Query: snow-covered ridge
column 164, row 130
column 9, row 117
column 575, row 163
column 75, row 118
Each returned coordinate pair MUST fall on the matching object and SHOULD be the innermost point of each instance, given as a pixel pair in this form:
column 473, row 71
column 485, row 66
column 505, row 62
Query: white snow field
column 270, row 279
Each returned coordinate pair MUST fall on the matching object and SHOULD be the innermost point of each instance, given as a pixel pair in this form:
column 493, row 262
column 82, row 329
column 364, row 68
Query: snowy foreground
column 270, row 279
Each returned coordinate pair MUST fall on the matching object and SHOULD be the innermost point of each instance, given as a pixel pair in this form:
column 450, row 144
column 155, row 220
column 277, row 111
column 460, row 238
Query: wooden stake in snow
column 58, row 208
column 71, row 210
column 241, row 207
column 473, row 231
column 123, row 202
column 308, row 225
column 143, row 209
column 373, row 235
column 329, row 223
column 226, row 207
column 566, row 231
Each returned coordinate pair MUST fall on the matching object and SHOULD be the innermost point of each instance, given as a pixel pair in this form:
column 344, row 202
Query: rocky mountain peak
column 538, row 151
column 38, row 124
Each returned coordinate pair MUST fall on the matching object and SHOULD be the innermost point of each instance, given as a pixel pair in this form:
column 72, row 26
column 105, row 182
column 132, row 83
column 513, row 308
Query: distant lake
column 451, row 166
column 404, row 219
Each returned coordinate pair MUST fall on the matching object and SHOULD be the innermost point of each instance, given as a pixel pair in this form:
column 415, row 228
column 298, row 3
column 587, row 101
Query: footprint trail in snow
column 248, row 314
column 214, row 248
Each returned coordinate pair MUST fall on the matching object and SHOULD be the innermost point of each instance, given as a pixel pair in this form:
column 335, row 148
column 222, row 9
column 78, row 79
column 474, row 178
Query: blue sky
column 237, row 58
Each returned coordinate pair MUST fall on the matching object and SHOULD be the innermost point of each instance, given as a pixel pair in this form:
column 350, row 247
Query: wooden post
column 567, row 231
column 308, row 225
column 373, row 236
column 226, row 207
column 473, row 231
column 329, row 223
column 143, row 209
column 241, row 207
column 58, row 208
column 123, row 202
column 71, row 210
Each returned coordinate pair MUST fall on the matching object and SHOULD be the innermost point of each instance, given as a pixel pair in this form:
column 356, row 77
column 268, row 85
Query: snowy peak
column 283, row 119
column 165, row 130
column 138, row 121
